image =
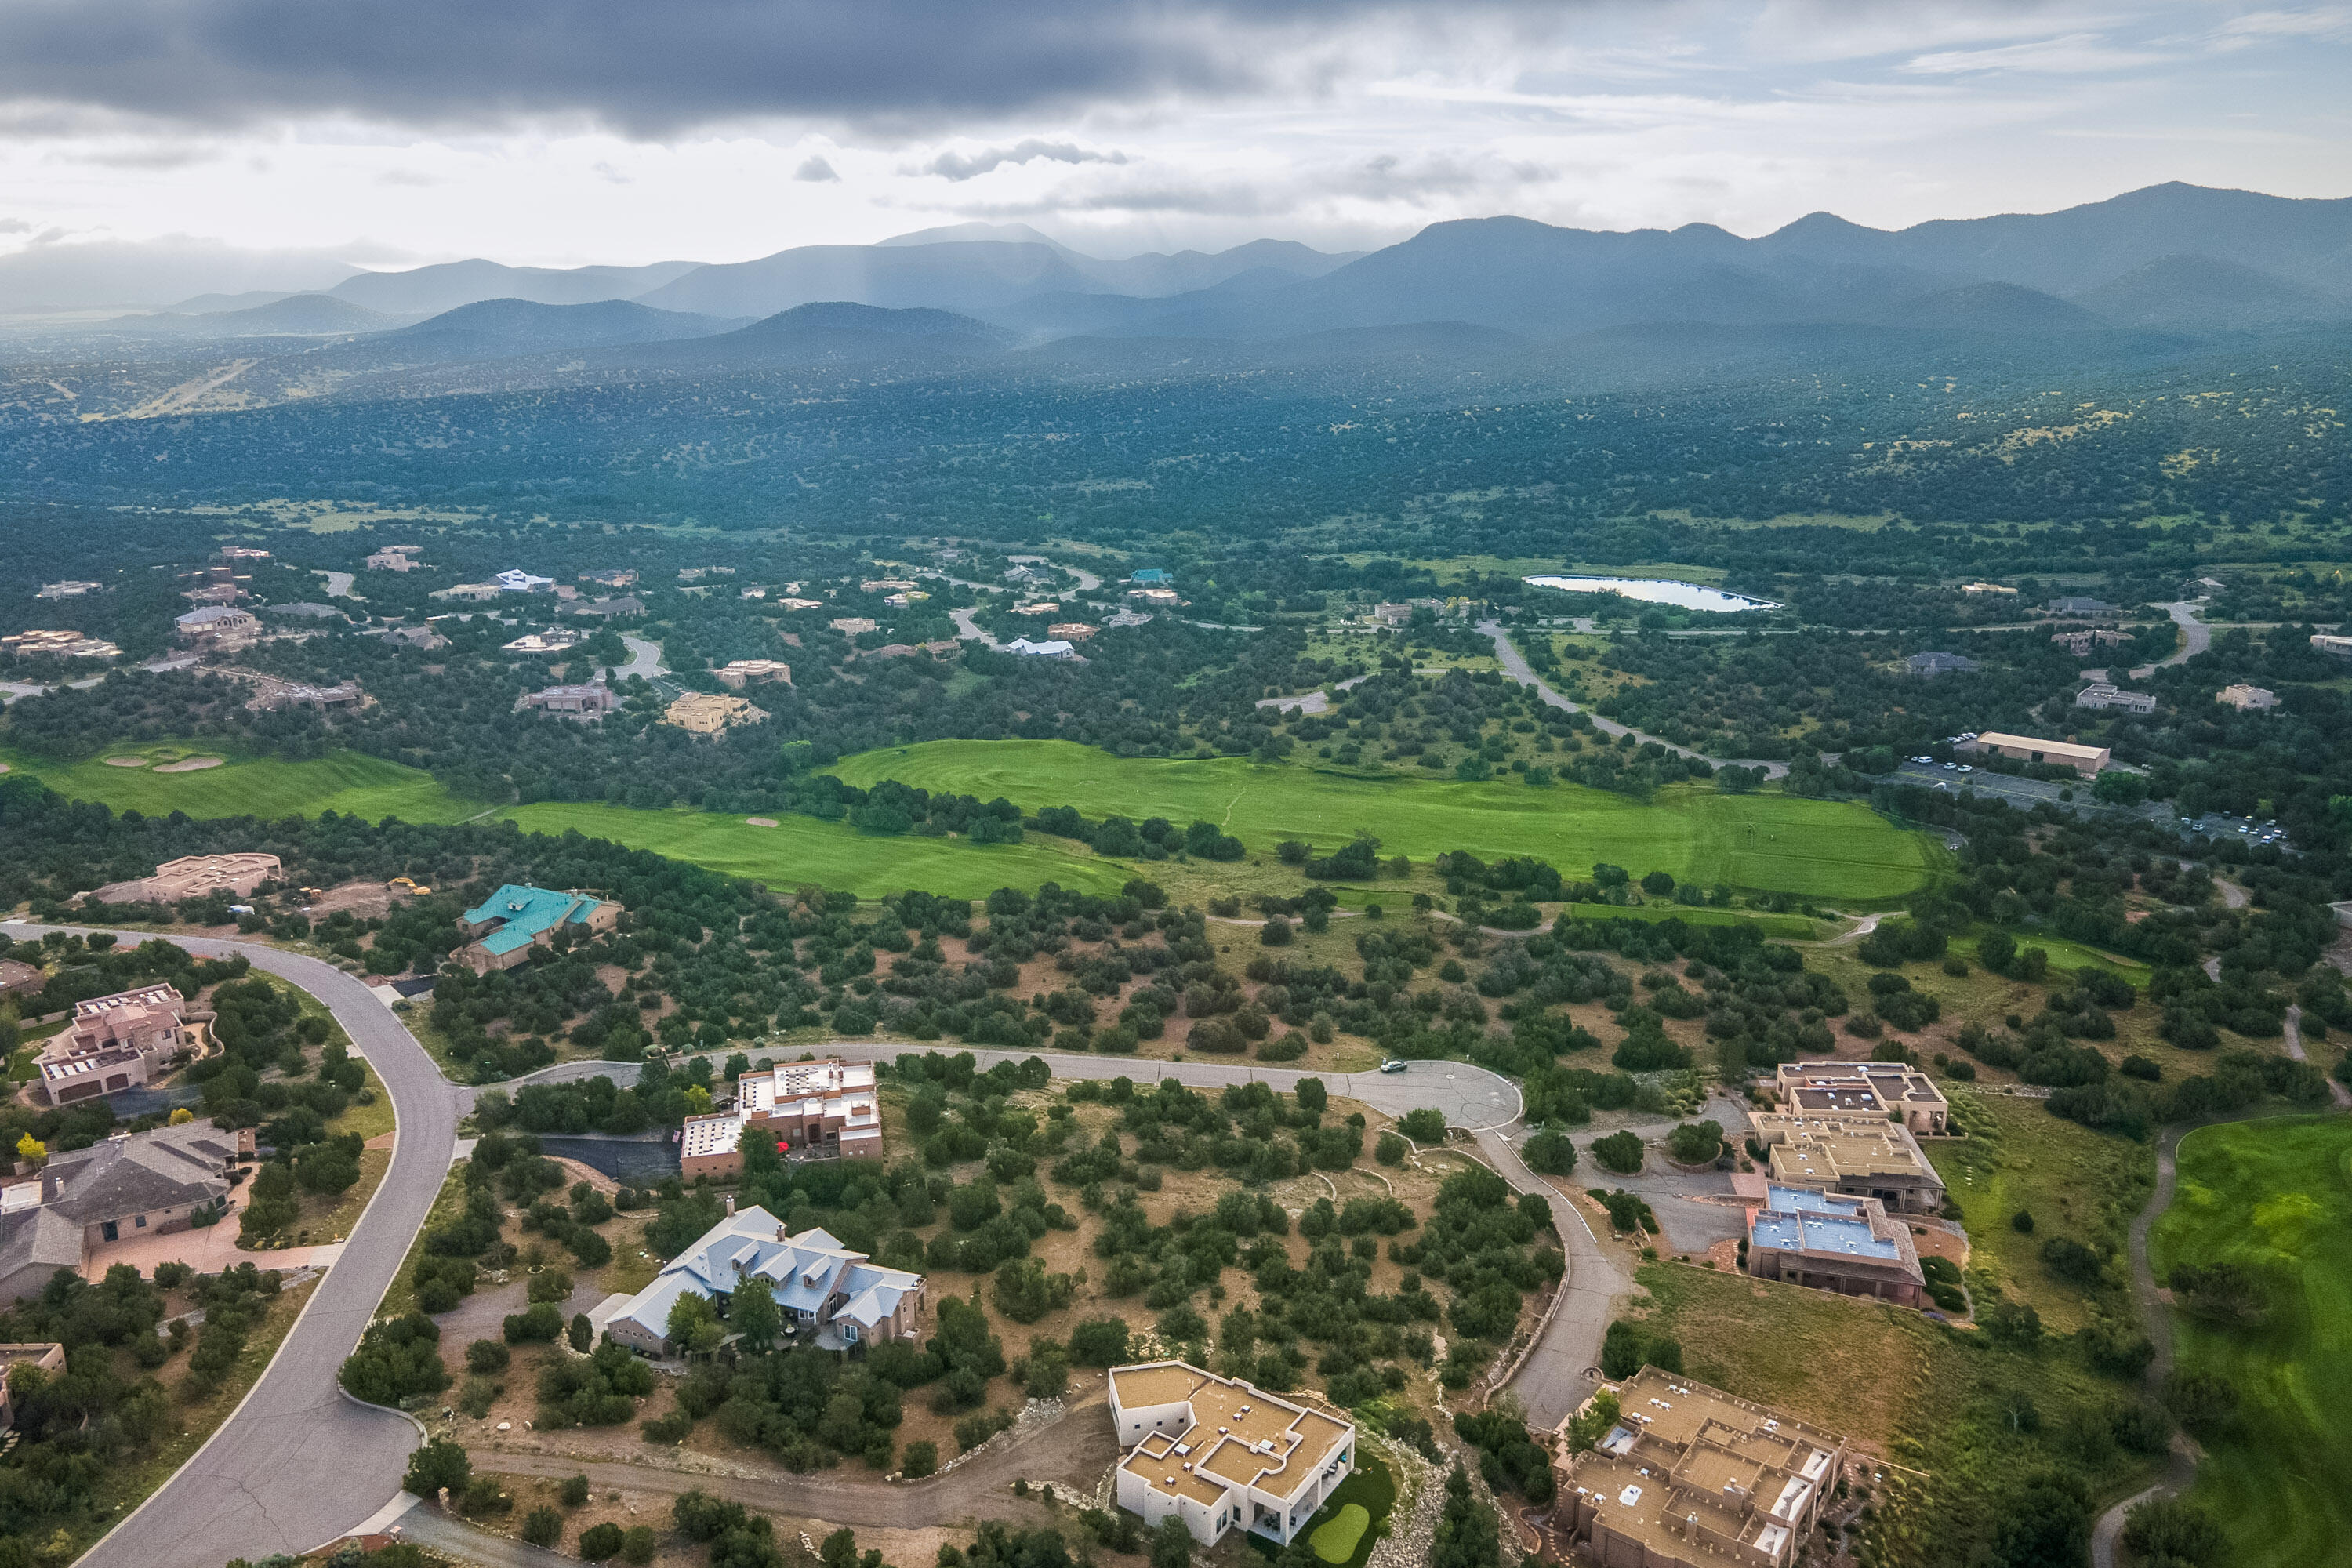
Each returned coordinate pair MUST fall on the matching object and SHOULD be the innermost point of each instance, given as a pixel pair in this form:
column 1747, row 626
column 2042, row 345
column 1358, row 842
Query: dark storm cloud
column 650, row 68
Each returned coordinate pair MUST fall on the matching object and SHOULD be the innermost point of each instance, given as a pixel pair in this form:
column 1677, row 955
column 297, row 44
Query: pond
column 1656, row 591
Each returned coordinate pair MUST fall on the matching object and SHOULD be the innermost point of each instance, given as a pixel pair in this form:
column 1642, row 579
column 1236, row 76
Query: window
column 139, row 1223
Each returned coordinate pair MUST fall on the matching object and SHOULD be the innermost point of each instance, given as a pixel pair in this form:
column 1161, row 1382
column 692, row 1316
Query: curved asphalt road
column 297, row 1463
column 1515, row 666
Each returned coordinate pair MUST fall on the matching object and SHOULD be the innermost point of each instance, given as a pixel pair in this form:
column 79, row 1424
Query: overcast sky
column 559, row 131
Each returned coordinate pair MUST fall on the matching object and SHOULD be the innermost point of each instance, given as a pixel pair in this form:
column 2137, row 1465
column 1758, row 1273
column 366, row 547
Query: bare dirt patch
column 190, row 766
column 362, row 898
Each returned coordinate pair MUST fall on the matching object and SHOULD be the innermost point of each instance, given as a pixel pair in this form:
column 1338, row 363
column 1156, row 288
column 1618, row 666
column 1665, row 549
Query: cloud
column 2073, row 55
column 816, row 170
column 655, row 70
column 961, row 166
column 15, row 225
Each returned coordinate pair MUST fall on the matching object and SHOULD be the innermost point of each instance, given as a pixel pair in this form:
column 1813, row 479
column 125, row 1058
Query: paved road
column 1087, row 581
column 2196, row 637
column 968, row 631
column 1515, row 665
column 297, row 1464
column 645, row 658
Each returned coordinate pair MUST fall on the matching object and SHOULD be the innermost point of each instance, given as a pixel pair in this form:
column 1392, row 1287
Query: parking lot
column 2024, row 793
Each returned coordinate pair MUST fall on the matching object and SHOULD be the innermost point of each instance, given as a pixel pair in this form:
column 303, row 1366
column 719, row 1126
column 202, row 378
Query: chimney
column 730, row 1205
column 48, row 1185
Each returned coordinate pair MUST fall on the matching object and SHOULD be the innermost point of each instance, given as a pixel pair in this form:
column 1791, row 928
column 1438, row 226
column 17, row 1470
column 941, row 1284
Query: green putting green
column 1335, row 1540
column 1812, row 849
column 2276, row 1196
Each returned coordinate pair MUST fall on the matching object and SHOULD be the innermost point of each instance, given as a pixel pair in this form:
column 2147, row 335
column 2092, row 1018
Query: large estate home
column 508, row 924
column 1864, row 1089
column 1222, row 1455
column 1832, row 1242
column 818, row 1110
column 119, row 1042
column 1691, row 1476
column 843, row 1298
column 129, row 1184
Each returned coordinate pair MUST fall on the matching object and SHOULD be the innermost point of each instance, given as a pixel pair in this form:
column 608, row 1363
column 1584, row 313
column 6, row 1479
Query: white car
column 1967, row 768
column 1949, row 766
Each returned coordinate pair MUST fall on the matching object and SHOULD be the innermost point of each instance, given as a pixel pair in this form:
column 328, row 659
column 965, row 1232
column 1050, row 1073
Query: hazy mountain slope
column 834, row 333
column 504, row 327
column 301, row 315
column 2198, row 292
column 429, row 290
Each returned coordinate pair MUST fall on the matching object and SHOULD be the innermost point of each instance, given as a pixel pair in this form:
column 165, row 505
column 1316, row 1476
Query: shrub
column 439, row 1463
column 920, row 1459
column 487, row 1356
column 1550, row 1152
column 574, row 1492
column 543, row 1527
column 1695, row 1142
column 637, row 1545
column 1620, row 1151
column 1098, row 1342
column 1423, row 1126
column 537, row 1325
column 598, row 1542
column 394, row 1360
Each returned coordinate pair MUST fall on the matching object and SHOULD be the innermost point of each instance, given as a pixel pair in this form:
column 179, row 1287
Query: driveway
column 645, row 658
column 297, row 1462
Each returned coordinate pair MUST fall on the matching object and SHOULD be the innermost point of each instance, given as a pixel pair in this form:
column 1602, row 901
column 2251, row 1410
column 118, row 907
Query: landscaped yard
column 1813, row 849
column 1345, row 1528
column 2274, row 1196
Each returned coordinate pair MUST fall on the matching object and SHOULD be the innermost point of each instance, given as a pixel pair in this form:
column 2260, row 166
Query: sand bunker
column 126, row 761
column 3, row 767
column 192, row 765
column 759, row 822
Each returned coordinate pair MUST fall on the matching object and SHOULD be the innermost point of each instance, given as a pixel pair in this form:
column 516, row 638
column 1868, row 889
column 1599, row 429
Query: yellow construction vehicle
column 403, row 884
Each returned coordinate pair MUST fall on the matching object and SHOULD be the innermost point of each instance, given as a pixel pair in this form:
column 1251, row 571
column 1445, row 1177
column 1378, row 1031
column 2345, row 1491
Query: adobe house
column 120, row 1042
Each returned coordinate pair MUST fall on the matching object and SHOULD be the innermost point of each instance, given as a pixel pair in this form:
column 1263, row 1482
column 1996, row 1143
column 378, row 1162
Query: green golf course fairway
column 1818, row 849
column 2276, row 1195
column 247, row 785
column 803, row 851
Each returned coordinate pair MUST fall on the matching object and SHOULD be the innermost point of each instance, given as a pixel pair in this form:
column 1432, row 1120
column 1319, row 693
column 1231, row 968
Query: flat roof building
column 2084, row 760
column 560, row 639
column 238, row 871
column 63, row 644
column 1864, row 1089
column 701, row 713
column 1221, row 1454
column 506, row 926
column 2106, row 694
column 841, row 1297
column 2247, row 699
column 812, row 1111
column 590, row 700
column 1691, row 1476
column 215, row 622
column 1831, row 1241
column 740, row 673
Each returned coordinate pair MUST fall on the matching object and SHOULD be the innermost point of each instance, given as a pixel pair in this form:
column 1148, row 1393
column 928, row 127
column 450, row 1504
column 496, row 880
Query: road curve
column 1515, row 666
column 2196, row 637
column 297, row 1463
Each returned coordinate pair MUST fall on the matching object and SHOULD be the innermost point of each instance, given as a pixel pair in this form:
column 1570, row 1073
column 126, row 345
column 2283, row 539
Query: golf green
column 1822, row 849
column 245, row 784
column 2274, row 1194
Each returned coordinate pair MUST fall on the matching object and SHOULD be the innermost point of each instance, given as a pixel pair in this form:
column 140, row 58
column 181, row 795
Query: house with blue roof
column 1831, row 1241
column 842, row 1299
column 503, row 928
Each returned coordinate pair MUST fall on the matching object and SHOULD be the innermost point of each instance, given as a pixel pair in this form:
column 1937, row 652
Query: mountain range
column 2171, row 257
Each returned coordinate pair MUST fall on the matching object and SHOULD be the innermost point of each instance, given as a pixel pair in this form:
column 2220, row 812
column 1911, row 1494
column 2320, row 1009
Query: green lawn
column 247, row 785
column 1335, row 1541
column 1812, row 849
column 801, row 850
column 2274, row 1194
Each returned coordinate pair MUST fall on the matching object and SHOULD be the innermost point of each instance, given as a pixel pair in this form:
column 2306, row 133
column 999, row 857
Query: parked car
column 1392, row 1065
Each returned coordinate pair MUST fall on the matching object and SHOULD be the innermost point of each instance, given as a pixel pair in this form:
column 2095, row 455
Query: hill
column 429, row 290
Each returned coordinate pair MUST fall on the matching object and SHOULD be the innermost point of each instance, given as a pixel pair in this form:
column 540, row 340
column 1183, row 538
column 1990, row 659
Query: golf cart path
column 1515, row 666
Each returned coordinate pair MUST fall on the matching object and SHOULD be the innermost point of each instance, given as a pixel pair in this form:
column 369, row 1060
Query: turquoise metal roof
column 527, row 912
